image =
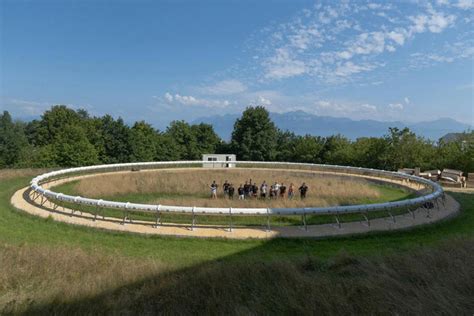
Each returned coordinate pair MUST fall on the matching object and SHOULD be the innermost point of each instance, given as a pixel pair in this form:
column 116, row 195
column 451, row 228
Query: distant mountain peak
column 302, row 123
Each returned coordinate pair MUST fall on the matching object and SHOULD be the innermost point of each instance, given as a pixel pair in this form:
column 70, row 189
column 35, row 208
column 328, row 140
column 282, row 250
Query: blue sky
column 165, row 60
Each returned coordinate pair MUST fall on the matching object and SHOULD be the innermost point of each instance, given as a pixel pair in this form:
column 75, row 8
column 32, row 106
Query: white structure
column 220, row 158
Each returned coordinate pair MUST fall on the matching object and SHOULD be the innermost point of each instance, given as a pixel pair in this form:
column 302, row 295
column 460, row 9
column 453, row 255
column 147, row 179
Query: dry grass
column 191, row 187
column 6, row 174
column 64, row 281
column 34, row 275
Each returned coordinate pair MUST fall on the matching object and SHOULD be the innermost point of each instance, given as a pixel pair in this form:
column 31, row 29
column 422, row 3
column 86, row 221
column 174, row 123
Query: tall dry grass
column 6, row 174
column 424, row 281
column 191, row 187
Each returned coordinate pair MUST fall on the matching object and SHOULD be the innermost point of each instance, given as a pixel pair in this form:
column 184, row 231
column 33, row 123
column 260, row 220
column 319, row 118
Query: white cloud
column 225, row 87
column 343, row 108
column 261, row 101
column 318, row 42
column 407, row 100
column 396, row 106
column 434, row 21
column 189, row 100
column 168, row 97
column 282, row 65
column 465, row 4
column 347, row 69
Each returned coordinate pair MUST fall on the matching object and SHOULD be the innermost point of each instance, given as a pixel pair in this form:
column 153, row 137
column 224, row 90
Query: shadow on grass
column 422, row 281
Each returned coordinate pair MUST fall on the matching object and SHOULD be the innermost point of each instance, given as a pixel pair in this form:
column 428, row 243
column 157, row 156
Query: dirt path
column 22, row 201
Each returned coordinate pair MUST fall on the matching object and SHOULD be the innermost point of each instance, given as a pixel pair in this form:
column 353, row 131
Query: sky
column 159, row 61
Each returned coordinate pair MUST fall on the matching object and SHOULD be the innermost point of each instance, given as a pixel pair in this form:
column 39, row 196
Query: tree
column 308, row 149
column 186, row 142
column 207, row 140
column 143, row 142
column 53, row 122
column 255, row 135
column 116, row 138
column 406, row 150
column 12, row 140
column 369, row 152
column 337, row 151
column 73, row 149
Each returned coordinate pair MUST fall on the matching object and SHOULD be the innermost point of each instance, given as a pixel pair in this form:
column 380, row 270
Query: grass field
column 166, row 187
column 50, row 267
column 191, row 187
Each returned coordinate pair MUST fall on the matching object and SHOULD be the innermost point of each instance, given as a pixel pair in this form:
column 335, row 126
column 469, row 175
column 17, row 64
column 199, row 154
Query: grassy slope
column 54, row 268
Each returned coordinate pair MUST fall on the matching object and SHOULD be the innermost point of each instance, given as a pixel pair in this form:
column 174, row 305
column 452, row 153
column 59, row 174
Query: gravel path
column 22, row 201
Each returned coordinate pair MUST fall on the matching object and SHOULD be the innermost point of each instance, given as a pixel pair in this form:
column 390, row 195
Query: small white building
column 209, row 158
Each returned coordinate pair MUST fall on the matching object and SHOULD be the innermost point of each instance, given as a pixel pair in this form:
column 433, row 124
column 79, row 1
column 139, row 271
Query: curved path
column 22, row 201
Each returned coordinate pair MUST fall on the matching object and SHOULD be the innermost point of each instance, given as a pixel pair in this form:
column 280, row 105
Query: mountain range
column 302, row 123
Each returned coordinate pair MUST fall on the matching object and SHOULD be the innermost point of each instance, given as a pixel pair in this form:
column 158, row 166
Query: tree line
column 64, row 137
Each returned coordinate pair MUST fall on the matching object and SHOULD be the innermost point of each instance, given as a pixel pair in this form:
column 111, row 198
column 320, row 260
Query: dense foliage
column 65, row 137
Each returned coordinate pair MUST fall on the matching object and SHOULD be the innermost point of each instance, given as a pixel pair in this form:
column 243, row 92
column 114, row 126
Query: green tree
column 73, row 149
column 12, row 140
column 207, row 140
column 53, row 123
column 143, row 142
column 255, row 135
column 185, row 139
column 308, row 149
column 116, row 138
column 370, row 152
column 338, row 151
column 406, row 150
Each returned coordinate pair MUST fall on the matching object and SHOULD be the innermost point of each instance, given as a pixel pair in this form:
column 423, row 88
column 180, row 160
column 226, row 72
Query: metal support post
column 337, row 221
column 366, row 216
column 303, row 218
column 268, row 220
column 391, row 216
column 230, row 219
column 194, row 220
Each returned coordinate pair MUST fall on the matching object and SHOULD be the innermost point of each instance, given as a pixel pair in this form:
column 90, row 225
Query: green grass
column 387, row 193
column 55, row 268
column 20, row 228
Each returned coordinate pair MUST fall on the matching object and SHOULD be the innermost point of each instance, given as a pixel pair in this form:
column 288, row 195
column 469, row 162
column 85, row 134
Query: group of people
column 250, row 190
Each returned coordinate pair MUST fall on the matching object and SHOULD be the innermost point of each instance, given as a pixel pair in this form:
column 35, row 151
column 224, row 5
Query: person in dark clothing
column 282, row 190
column 255, row 190
column 303, row 189
column 247, row 188
column 231, row 191
column 225, row 187
column 241, row 192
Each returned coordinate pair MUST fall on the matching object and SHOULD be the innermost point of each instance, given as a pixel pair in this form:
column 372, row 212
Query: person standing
column 213, row 190
column 263, row 190
column 246, row 189
column 225, row 187
column 231, row 190
column 303, row 189
column 254, row 190
column 282, row 191
column 291, row 191
column 241, row 192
